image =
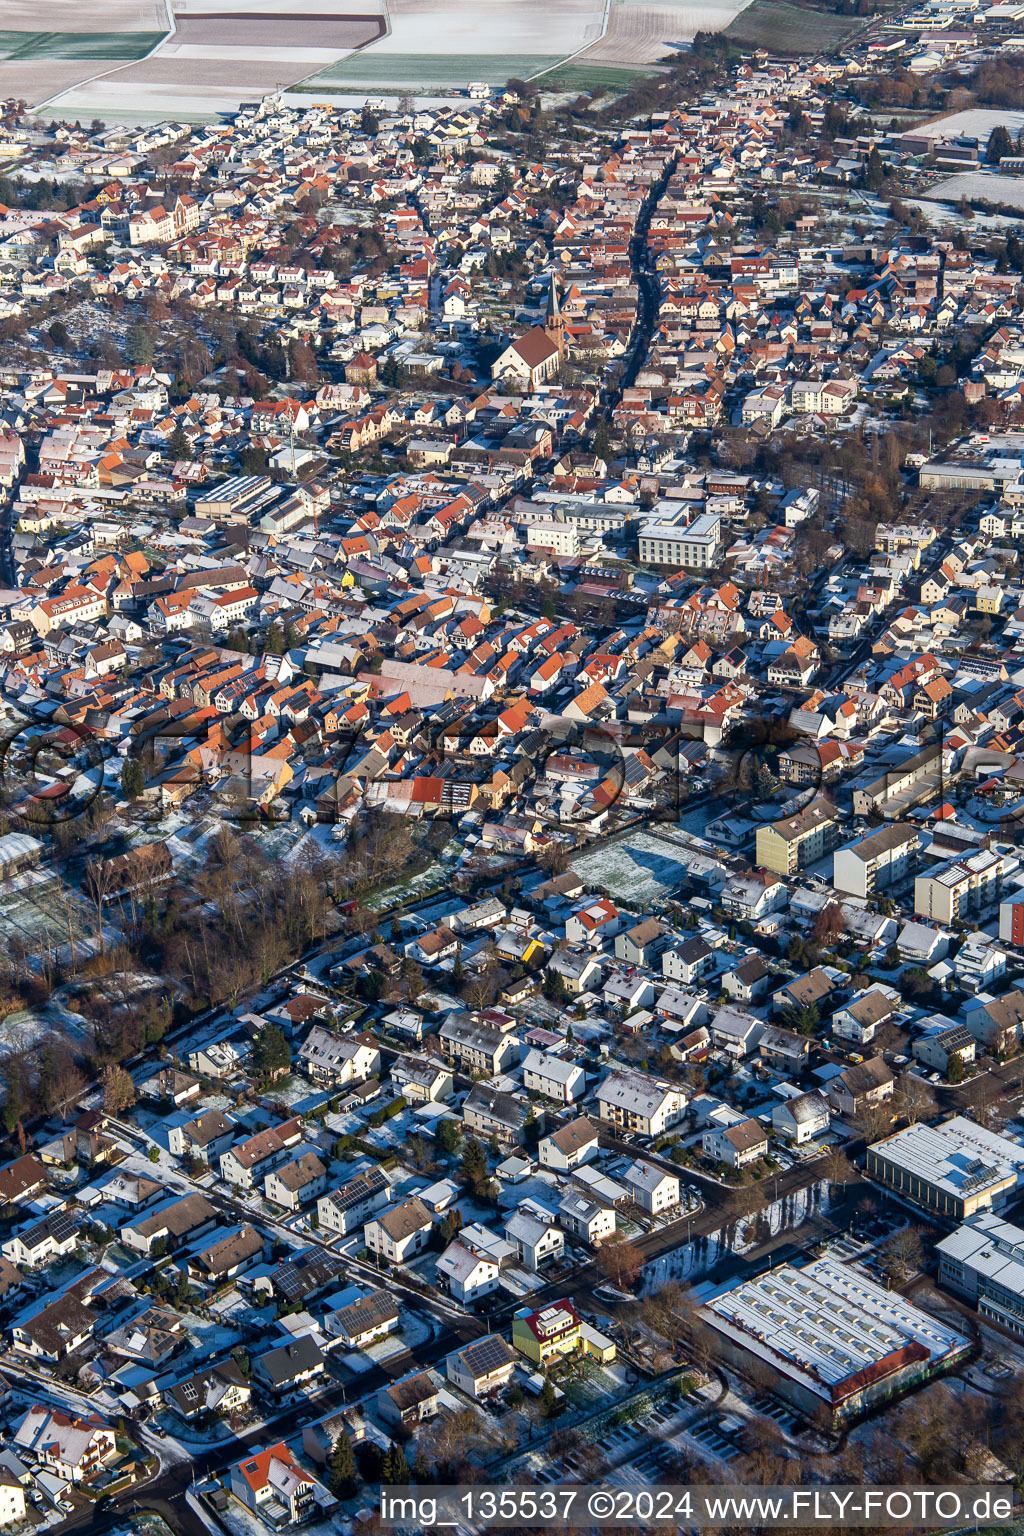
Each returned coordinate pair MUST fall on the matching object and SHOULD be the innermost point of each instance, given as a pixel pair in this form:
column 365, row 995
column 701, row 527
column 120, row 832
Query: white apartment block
column 695, row 546
column 880, row 860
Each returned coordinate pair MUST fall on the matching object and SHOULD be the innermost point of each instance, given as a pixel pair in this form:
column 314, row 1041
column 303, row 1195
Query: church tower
column 553, row 324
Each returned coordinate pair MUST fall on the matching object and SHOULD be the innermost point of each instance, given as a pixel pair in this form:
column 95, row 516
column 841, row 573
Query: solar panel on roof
column 487, row 1354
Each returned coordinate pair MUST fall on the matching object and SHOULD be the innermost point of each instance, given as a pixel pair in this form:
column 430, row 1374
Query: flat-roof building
column 953, row 1169
column 835, row 1339
column 984, row 1261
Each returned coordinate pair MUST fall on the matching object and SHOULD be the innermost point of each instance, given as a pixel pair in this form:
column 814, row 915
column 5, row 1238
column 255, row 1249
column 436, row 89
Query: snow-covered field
column 208, row 61
column 986, row 188
column 642, row 867
column 974, row 122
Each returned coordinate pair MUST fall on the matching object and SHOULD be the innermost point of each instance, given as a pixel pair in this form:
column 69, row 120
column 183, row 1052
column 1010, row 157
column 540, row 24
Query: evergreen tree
column 341, row 1468
column 547, row 1399
column 179, row 445
column 447, row 1135
column 473, row 1163
column 396, row 1466
column 421, row 1468
column 270, row 1052
column 133, row 780
column 139, row 344
column 999, row 144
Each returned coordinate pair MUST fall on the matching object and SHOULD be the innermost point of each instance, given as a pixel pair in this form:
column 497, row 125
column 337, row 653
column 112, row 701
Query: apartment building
column 695, row 545
column 796, row 841
column 633, row 1101
column 963, row 887
column 877, row 862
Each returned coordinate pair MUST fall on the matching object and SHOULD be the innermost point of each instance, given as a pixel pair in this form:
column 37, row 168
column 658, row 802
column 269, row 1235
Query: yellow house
column 990, row 599
column 547, row 1335
column 597, row 1345
column 514, row 947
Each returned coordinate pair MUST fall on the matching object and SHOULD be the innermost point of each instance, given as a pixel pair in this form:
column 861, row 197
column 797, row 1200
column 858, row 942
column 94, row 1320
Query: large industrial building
column 984, row 1261
column 952, row 1170
column 836, row 1340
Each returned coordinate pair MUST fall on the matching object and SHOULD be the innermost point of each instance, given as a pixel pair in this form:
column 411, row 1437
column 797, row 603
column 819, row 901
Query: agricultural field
column 191, row 59
column 639, row 32
column 77, row 45
column 221, row 52
column 422, row 72
column 581, row 75
column 49, row 45
column 786, row 28
column 974, row 122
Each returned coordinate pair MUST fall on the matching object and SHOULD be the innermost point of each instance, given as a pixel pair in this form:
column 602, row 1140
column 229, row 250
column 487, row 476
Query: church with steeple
column 538, row 353
column 554, row 325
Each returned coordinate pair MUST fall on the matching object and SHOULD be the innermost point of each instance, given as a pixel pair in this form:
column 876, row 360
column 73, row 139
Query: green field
column 784, row 28
column 584, row 77
column 428, row 71
column 77, row 45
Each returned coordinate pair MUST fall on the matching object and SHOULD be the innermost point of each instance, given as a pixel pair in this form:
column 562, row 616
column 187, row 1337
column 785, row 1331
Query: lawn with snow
column 641, row 868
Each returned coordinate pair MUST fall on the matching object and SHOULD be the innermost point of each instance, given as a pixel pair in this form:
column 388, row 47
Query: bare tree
column 914, row 1098
column 903, row 1254
column 837, row 1167
column 620, row 1262
column 63, row 1083
column 67, row 906
column 118, row 1090
column 100, row 881
column 873, row 1121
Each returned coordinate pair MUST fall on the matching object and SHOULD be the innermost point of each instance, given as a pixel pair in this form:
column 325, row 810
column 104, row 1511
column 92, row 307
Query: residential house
column 801, row 1118
column 290, row 1365
column 77, row 1449
column 400, row 1232
column 861, row 1085
column 569, row 1146
column 411, row 1401
column 272, row 1485
column 735, row 1145
column 654, row 1189
column 550, row 1075
column 352, row 1204
column 331, row 1060
column 482, row 1368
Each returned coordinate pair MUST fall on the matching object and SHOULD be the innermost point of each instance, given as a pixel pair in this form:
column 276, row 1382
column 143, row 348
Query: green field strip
column 585, row 77
column 78, row 45
column 402, row 70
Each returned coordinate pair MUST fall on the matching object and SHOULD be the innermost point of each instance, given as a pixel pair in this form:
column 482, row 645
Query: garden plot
column 31, row 919
column 641, row 868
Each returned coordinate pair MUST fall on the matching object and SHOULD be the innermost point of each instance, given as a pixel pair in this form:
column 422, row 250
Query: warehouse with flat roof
column 838, row 1342
column 952, row 1170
